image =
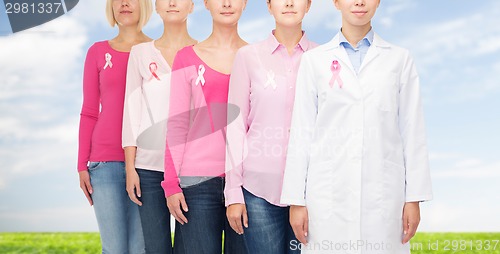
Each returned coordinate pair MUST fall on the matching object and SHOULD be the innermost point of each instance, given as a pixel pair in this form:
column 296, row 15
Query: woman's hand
column 133, row 186
column 236, row 214
column 85, row 185
column 174, row 204
column 299, row 220
column 411, row 219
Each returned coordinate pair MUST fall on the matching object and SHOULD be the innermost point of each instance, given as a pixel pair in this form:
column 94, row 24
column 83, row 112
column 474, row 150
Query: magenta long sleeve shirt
column 104, row 78
column 197, row 118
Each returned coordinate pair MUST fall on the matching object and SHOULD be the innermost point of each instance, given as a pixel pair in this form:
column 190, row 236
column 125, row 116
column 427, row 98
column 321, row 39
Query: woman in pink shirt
column 262, row 86
column 195, row 154
column 100, row 155
column 144, row 121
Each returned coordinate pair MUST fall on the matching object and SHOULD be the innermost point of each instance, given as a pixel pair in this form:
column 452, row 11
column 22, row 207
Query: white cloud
column 469, row 169
column 41, row 85
column 2, row 182
column 39, row 62
column 388, row 10
column 322, row 14
column 56, row 219
column 454, row 56
column 443, row 217
column 496, row 66
column 459, row 38
column 434, row 156
column 91, row 13
column 257, row 29
column 465, row 197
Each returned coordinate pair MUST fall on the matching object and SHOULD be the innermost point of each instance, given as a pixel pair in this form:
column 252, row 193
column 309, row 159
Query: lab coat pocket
column 394, row 185
column 386, row 91
column 319, row 191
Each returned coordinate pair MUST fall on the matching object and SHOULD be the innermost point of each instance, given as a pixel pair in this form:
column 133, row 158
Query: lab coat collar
column 372, row 53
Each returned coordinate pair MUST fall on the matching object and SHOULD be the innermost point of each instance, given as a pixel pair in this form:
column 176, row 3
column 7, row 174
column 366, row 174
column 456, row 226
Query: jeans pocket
column 94, row 165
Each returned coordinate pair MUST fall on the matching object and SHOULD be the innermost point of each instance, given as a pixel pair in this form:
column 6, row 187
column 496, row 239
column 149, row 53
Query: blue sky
column 456, row 45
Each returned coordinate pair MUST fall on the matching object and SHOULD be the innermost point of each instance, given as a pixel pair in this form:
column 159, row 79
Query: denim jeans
column 269, row 230
column 117, row 217
column 155, row 217
column 206, row 221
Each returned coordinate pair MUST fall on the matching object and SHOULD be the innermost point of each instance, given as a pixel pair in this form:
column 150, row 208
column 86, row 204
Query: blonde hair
column 146, row 10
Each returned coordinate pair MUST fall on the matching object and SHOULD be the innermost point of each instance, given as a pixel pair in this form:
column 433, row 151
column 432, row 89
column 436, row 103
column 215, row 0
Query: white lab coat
column 358, row 152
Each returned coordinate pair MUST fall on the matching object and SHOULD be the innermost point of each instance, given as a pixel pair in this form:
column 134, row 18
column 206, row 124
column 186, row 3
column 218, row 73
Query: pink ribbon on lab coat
column 153, row 67
column 336, row 68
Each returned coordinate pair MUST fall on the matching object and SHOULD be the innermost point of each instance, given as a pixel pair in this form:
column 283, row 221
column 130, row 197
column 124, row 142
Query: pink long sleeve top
column 195, row 127
column 262, row 86
column 102, row 110
column 146, row 106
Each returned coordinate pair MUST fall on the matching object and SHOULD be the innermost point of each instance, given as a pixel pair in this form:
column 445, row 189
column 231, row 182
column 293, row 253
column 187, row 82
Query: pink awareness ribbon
column 201, row 78
column 109, row 64
column 153, row 67
column 336, row 68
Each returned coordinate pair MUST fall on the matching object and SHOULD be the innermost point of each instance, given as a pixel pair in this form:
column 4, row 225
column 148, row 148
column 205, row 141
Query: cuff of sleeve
column 292, row 201
column 421, row 198
column 125, row 144
column 82, row 166
column 234, row 196
column 170, row 188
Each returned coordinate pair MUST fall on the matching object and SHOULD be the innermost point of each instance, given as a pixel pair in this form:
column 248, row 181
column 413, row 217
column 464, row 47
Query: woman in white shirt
column 144, row 121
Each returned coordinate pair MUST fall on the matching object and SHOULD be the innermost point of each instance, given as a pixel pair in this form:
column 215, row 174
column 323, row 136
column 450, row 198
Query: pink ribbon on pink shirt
column 153, row 67
column 336, row 68
column 109, row 64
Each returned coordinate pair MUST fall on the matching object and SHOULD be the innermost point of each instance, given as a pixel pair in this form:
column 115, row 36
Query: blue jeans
column 155, row 217
column 206, row 222
column 269, row 230
column 117, row 217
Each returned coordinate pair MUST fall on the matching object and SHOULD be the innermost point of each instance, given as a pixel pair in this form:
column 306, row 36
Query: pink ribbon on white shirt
column 270, row 80
column 108, row 57
column 336, row 68
column 153, row 67
column 201, row 78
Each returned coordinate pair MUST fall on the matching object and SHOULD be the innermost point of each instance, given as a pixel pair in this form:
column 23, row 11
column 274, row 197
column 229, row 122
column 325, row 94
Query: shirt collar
column 367, row 40
column 274, row 44
column 377, row 42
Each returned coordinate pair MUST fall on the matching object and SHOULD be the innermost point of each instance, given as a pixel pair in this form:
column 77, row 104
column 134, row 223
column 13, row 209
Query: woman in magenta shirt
column 262, row 87
column 195, row 154
column 100, row 155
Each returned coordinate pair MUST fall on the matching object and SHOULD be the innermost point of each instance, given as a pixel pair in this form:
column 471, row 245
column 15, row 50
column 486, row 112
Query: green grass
column 53, row 243
column 58, row 243
column 463, row 243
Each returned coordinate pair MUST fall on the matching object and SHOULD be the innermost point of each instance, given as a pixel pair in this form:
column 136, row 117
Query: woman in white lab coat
column 357, row 163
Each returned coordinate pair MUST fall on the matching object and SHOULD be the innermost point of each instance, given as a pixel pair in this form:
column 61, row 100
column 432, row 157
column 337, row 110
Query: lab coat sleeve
column 412, row 130
column 301, row 136
column 239, row 96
